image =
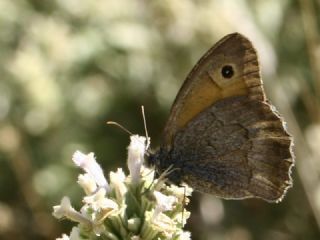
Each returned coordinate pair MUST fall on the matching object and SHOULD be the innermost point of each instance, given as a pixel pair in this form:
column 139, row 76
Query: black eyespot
column 227, row 71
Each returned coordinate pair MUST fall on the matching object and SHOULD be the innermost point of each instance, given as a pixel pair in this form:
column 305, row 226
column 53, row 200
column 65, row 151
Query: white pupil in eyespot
column 227, row 71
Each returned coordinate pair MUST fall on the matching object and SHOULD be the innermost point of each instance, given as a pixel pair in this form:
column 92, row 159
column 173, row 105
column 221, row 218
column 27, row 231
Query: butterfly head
column 165, row 164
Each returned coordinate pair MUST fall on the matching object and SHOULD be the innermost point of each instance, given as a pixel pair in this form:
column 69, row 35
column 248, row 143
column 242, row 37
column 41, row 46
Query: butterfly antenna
column 145, row 127
column 120, row 126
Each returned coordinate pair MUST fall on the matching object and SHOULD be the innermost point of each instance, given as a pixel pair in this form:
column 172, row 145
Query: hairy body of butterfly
column 223, row 137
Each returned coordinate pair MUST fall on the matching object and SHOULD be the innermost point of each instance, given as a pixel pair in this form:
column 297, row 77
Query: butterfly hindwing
column 241, row 150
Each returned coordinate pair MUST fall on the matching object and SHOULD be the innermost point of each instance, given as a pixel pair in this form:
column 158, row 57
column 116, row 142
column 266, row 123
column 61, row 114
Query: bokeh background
column 68, row 66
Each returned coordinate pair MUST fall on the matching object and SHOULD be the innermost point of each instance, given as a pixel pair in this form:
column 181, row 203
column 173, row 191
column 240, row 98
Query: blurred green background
column 68, row 66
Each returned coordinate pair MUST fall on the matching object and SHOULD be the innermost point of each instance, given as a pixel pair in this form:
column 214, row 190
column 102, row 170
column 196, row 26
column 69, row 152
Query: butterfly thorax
column 164, row 161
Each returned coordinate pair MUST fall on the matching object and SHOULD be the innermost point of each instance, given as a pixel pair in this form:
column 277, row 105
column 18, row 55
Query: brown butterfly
column 223, row 137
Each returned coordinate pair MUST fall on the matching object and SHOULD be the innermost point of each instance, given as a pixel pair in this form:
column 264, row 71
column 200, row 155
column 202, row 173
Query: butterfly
column 223, row 137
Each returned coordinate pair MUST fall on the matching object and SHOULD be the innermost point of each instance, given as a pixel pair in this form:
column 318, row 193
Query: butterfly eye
column 227, row 71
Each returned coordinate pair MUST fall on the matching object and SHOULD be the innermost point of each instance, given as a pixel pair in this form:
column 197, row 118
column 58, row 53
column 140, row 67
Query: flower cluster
column 134, row 207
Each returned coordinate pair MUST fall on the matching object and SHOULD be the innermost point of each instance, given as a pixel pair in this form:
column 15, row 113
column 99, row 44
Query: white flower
column 102, row 208
column 59, row 211
column 101, row 204
column 89, row 164
column 182, row 217
column 185, row 236
column 148, row 175
column 164, row 224
column 108, row 204
column 95, row 199
column 164, row 203
column 181, row 192
column 66, row 210
column 87, row 183
column 75, row 234
column 98, row 207
column 136, row 150
column 117, row 180
column 64, row 237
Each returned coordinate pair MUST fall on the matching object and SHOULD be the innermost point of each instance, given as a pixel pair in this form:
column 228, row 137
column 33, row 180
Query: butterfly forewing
column 206, row 83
